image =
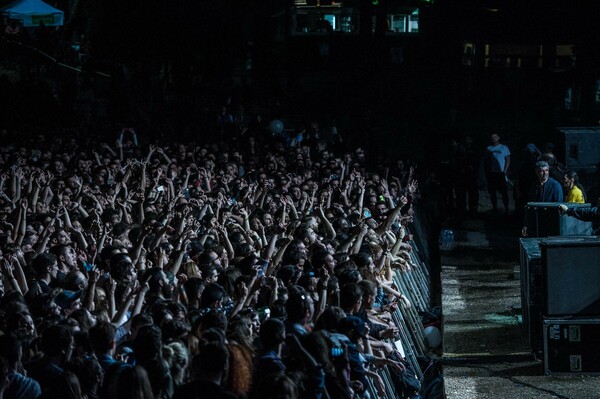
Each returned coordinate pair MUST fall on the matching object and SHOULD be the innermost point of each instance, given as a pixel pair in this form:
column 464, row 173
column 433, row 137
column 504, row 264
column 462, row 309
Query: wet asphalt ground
column 486, row 352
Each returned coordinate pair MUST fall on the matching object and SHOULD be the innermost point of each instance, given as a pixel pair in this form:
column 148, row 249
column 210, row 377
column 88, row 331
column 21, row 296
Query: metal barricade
column 415, row 285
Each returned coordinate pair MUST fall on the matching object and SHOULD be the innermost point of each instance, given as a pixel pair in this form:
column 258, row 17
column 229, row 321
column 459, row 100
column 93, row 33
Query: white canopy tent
column 32, row 12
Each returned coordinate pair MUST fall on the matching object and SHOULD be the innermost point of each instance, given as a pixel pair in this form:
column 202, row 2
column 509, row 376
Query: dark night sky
column 357, row 78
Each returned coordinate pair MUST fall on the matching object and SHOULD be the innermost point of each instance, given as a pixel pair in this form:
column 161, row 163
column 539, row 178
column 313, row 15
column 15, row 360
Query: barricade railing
column 415, row 285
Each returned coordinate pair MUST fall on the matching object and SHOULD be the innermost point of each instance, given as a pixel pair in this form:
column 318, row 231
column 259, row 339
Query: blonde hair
column 177, row 356
column 190, row 268
column 97, row 294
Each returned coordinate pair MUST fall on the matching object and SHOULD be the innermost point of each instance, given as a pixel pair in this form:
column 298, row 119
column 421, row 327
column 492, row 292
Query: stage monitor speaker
column 531, row 290
column 582, row 147
column 544, row 220
column 571, row 268
column 531, row 267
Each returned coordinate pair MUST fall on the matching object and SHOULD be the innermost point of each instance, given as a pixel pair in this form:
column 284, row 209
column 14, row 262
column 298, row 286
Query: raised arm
column 326, row 223
column 381, row 229
column 21, row 225
column 8, row 270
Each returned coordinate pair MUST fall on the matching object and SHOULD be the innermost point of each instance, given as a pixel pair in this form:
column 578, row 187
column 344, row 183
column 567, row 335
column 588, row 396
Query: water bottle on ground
column 447, row 240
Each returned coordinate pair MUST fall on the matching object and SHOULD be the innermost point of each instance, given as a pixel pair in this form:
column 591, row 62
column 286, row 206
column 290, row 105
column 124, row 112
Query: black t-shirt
column 203, row 389
column 51, row 377
column 36, row 288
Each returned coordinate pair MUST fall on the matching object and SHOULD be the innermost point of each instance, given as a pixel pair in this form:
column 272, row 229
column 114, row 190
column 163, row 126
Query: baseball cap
column 66, row 298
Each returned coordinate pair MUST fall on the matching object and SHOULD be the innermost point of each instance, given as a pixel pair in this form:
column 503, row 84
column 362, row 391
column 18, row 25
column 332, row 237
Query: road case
column 571, row 346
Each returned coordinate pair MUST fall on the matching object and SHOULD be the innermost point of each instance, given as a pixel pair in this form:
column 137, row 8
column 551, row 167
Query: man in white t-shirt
column 496, row 168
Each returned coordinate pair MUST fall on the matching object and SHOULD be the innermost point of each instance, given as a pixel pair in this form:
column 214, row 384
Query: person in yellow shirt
column 572, row 189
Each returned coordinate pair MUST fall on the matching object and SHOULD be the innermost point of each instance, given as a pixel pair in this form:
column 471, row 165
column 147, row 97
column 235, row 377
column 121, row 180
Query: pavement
column 485, row 351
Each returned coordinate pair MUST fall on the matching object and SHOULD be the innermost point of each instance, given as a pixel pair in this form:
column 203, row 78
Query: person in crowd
column 300, row 309
column 133, row 382
column 103, row 342
column 557, row 170
column 496, row 167
column 546, row 188
column 45, row 268
column 66, row 260
column 269, row 361
column 212, row 364
column 119, row 265
column 21, row 386
column 148, row 354
column 49, row 371
column 176, row 355
column 573, row 191
column 241, row 353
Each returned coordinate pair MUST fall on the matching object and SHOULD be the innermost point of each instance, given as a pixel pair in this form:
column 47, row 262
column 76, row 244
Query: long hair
column 133, row 383
column 571, row 174
column 72, row 382
column 239, row 330
column 177, row 356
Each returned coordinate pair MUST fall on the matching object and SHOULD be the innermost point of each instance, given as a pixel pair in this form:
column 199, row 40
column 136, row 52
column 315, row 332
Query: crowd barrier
column 416, row 285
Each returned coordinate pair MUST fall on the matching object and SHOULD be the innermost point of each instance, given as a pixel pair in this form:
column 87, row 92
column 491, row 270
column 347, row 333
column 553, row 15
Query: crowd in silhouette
column 243, row 266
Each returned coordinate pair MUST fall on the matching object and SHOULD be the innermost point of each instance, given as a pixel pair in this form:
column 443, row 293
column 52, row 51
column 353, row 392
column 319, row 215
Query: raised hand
column 181, row 279
column 82, row 255
column 384, row 185
column 112, row 285
column 242, row 289
column 8, row 266
column 413, row 186
column 94, row 275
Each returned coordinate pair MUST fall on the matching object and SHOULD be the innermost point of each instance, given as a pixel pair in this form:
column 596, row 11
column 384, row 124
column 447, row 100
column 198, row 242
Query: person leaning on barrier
column 545, row 190
column 358, row 347
column 590, row 214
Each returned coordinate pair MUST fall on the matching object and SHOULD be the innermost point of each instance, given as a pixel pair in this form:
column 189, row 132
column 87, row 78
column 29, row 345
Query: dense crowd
column 254, row 266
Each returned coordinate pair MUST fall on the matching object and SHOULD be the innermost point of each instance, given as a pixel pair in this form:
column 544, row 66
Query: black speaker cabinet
column 582, row 147
column 571, row 274
column 532, row 291
column 544, row 220
column 531, row 267
column 571, row 346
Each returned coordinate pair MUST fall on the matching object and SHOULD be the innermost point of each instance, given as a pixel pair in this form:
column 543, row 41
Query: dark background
column 414, row 108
